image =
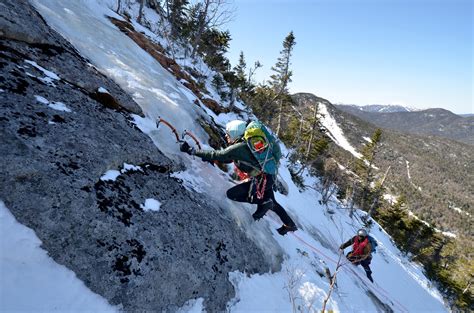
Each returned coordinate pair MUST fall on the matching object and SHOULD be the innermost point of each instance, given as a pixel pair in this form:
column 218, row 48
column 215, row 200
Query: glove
column 185, row 147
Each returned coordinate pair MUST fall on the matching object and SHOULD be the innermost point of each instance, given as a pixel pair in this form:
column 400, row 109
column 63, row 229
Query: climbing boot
column 262, row 209
column 369, row 276
column 285, row 228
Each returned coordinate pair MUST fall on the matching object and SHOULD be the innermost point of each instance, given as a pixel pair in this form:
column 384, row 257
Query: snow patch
column 110, row 175
column 460, row 211
column 151, row 205
column 41, row 99
column 390, row 198
column 59, row 106
column 193, row 306
column 130, row 167
column 449, row 234
column 49, row 74
column 103, row 90
column 32, row 282
column 334, row 131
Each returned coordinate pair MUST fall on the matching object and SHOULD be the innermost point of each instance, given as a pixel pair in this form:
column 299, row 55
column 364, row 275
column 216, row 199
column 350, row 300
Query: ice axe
column 176, row 134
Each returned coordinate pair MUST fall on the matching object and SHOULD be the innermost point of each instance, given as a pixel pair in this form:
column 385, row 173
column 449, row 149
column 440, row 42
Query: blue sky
column 417, row 53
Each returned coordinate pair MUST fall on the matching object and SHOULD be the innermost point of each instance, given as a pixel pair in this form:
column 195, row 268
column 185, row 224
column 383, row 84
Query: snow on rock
column 41, row 99
column 193, row 306
column 449, row 234
column 32, row 282
column 55, row 105
column 59, row 106
column 460, row 211
column 113, row 174
column 151, row 205
column 49, row 74
column 130, row 167
column 103, row 90
column 335, row 132
column 110, row 175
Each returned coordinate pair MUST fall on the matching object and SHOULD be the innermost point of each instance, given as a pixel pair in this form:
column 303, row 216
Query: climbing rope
column 260, row 187
column 382, row 292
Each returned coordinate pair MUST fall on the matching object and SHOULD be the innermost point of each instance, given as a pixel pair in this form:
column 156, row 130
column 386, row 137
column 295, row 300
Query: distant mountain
column 423, row 167
column 378, row 108
column 436, row 122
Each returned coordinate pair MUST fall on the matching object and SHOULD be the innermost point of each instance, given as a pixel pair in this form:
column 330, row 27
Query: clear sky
column 417, row 53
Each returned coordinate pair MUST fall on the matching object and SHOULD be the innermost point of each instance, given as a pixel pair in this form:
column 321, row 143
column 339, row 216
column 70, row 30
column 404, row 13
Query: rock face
column 57, row 141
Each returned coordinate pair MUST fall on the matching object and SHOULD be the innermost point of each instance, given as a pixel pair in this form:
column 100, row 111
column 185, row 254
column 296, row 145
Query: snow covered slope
column 399, row 286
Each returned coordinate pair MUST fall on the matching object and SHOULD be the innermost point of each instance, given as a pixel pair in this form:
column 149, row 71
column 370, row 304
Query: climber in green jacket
column 239, row 152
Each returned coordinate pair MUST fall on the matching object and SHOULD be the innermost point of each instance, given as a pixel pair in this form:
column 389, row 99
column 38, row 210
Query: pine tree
column 176, row 13
column 240, row 69
column 364, row 167
column 204, row 16
column 282, row 76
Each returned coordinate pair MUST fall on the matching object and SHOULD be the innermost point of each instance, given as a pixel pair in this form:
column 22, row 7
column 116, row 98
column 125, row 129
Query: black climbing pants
column 247, row 192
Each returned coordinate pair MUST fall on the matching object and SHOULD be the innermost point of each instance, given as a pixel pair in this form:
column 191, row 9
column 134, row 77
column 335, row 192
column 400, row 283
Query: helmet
column 235, row 129
column 362, row 233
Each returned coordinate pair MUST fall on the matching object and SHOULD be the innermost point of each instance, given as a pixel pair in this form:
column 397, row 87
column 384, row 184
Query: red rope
column 260, row 189
column 378, row 288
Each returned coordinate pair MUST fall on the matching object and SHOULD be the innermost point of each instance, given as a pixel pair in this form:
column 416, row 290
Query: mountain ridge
column 436, row 122
column 417, row 149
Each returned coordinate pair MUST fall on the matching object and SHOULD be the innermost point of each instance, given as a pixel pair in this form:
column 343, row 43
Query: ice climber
column 258, row 189
column 361, row 251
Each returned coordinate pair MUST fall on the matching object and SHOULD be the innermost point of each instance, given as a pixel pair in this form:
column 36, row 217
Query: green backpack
column 264, row 147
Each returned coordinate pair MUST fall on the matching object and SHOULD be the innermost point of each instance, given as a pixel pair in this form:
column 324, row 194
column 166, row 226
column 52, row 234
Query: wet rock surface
column 58, row 140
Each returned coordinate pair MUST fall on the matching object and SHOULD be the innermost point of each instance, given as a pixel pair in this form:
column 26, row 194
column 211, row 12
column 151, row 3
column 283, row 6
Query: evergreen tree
column 240, row 70
column 177, row 17
column 364, row 167
column 213, row 49
column 204, row 16
column 282, row 76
